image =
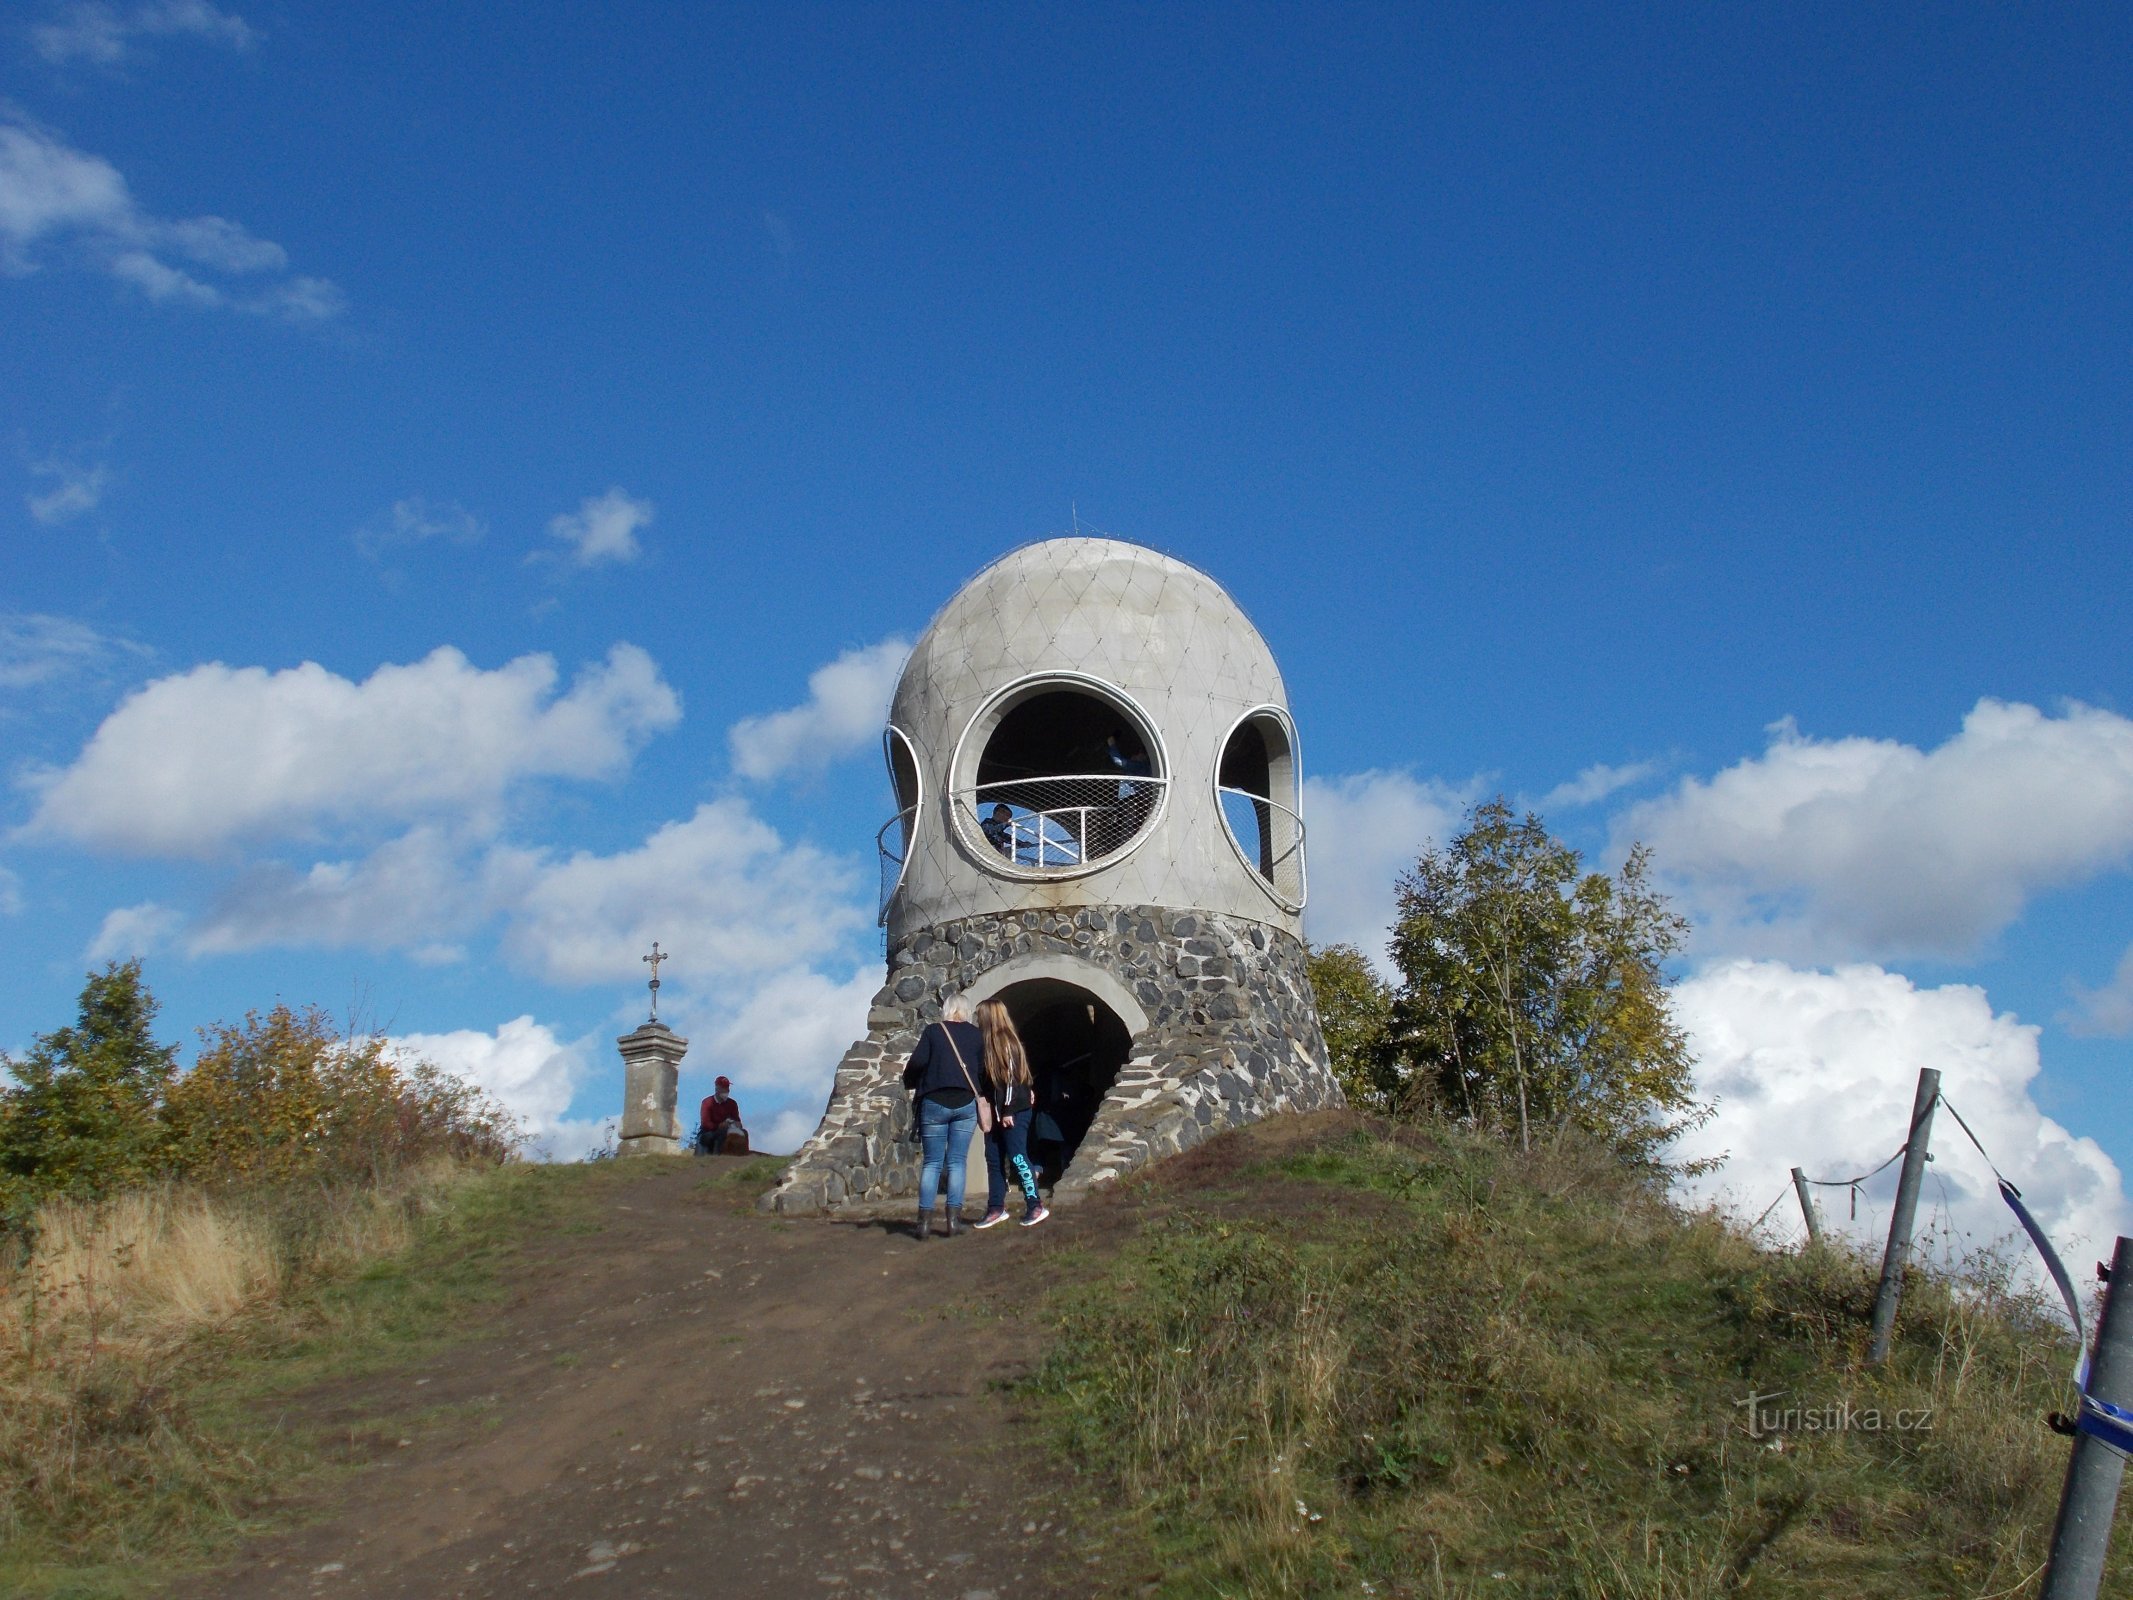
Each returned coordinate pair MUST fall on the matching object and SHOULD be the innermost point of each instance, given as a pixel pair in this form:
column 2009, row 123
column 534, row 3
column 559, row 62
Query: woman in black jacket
column 1014, row 1105
column 947, row 1074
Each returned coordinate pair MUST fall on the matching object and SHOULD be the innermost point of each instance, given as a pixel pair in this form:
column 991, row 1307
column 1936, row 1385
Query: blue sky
column 1563, row 393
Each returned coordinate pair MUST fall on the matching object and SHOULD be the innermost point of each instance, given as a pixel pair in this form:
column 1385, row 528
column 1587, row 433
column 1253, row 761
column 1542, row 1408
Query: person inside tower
column 719, row 1124
column 1000, row 831
column 1129, row 759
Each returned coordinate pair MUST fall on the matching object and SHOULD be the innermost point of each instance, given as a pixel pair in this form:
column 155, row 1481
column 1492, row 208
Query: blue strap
column 2106, row 1423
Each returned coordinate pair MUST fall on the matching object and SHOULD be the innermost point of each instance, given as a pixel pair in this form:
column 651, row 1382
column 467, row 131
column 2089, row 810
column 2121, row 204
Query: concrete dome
column 1002, row 713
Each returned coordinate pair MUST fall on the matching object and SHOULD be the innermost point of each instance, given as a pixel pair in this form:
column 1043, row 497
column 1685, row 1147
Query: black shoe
column 921, row 1232
column 954, row 1222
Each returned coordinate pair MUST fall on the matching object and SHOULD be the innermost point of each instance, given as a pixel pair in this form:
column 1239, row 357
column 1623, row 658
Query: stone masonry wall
column 1233, row 1036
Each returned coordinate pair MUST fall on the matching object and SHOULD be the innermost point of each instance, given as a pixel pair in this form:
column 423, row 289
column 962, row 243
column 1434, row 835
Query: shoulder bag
column 984, row 1105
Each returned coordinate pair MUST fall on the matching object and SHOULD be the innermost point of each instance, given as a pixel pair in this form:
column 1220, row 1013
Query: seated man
column 720, row 1116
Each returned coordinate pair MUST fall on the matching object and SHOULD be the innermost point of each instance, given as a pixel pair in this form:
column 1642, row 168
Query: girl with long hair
column 1014, row 1102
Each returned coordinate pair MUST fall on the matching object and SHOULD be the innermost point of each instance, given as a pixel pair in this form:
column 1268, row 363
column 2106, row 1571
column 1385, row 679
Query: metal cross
column 655, row 958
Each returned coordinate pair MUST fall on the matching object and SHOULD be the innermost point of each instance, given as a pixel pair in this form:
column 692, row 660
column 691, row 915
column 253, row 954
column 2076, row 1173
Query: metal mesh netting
column 1271, row 837
column 892, row 845
column 1060, row 822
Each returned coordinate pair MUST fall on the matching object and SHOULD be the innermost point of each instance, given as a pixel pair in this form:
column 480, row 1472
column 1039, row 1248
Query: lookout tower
column 1097, row 823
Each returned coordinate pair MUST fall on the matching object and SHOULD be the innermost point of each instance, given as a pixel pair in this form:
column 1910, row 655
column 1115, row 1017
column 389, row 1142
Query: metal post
column 2082, row 1536
column 1807, row 1206
column 1907, row 1185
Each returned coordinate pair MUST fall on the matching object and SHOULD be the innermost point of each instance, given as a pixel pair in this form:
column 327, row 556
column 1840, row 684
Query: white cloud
column 526, row 1069
column 2106, row 1012
column 410, row 893
column 133, row 931
column 36, row 650
column 1818, row 1069
column 57, row 201
column 1836, row 848
column 847, row 703
column 786, row 1036
column 76, row 490
column 102, row 34
column 1361, row 831
column 722, row 890
column 603, row 528
column 1593, row 785
column 415, row 521
column 195, row 761
column 11, row 900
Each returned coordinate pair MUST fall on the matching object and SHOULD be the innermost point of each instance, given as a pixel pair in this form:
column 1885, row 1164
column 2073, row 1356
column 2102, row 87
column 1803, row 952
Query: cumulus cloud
column 782, row 1042
column 1837, row 848
column 847, row 702
column 722, row 890
column 75, row 491
column 1817, row 1069
column 2106, row 1012
column 133, row 931
column 193, row 762
column 416, row 521
column 104, row 34
column 526, row 1069
column 60, row 203
column 1362, row 831
column 413, row 893
column 603, row 528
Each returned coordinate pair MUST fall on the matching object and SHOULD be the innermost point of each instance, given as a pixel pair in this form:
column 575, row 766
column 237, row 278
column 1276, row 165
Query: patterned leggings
column 1008, row 1149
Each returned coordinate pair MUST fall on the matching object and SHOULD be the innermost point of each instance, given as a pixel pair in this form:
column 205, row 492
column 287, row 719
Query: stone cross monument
column 1097, row 789
column 651, row 1069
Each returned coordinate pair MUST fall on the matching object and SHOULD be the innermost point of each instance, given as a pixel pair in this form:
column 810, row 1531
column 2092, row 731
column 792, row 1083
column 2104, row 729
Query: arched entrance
column 1076, row 1044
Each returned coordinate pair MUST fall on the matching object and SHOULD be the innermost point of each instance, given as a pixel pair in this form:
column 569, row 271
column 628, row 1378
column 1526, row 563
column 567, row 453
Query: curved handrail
column 895, row 856
column 1276, row 855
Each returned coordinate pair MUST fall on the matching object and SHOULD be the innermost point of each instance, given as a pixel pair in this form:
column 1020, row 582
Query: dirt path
column 820, row 1413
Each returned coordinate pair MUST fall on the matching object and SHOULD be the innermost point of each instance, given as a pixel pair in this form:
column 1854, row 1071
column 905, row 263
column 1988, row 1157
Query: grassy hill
column 1327, row 1356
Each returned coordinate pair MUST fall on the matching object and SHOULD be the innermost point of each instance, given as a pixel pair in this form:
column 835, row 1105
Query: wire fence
column 1060, row 823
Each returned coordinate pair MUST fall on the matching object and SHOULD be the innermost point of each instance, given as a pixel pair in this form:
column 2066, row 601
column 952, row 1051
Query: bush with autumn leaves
column 285, row 1096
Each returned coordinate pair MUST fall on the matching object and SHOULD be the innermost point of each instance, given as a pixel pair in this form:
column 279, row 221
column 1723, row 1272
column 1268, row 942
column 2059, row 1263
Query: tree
column 84, row 1116
column 1355, row 1014
column 1533, row 996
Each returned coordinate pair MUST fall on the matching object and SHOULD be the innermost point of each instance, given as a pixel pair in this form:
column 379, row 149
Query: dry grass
column 1375, row 1365
column 108, row 1323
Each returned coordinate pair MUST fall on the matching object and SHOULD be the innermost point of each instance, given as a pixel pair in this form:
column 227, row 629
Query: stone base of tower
column 1231, row 1036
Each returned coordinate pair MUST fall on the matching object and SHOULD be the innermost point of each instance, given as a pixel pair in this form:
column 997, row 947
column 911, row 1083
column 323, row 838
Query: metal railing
column 1063, row 822
column 893, row 844
column 1270, row 837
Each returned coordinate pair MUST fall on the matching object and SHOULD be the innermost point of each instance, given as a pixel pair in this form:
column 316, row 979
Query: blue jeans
column 944, row 1137
column 1007, row 1149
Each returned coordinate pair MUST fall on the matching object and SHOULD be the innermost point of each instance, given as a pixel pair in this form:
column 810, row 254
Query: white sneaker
column 991, row 1219
column 1036, row 1216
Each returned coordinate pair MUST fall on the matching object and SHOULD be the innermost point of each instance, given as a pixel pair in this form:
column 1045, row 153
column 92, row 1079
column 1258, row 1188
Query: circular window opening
column 1058, row 777
column 1256, row 785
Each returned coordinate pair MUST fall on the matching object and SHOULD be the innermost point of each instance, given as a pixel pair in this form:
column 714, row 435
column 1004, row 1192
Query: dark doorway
column 1076, row 1046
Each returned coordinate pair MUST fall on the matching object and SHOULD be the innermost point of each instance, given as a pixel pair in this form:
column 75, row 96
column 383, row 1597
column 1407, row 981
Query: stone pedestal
column 651, row 1067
